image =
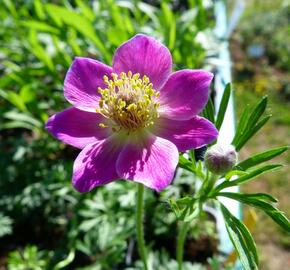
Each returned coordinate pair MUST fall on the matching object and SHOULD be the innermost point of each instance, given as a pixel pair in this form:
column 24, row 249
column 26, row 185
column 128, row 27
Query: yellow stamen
column 128, row 101
column 102, row 125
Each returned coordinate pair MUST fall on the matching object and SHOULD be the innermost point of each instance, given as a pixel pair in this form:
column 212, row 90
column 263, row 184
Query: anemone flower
column 132, row 119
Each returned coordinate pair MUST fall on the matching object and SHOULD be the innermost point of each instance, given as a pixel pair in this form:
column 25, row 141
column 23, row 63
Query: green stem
column 211, row 182
column 207, row 187
column 180, row 243
column 139, row 224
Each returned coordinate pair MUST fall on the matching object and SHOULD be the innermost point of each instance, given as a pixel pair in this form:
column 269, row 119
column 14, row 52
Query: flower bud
column 220, row 159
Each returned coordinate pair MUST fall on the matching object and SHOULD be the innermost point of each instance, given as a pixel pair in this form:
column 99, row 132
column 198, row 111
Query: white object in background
column 227, row 131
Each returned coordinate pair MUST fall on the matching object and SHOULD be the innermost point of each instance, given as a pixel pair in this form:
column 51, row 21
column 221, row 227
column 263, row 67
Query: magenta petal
column 82, row 81
column 77, row 128
column 193, row 133
column 185, row 94
column 144, row 55
column 96, row 165
column 152, row 162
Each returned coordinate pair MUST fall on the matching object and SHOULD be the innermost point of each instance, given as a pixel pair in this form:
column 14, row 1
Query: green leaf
column 168, row 22
column 174, row 207
column 22, row 117
column 185, row 209
column 27, row 94
column 247, row 177
column 185, row 201
column 251, row 132
column 14, row 99
column 199, row 169
column 86, row 10
column 166, row 12
column 10, row 65
column 128, row 23
column 250, row 124
column 37, row 49
column 242, row 125
column 5, row 225
column 261, row 157
column 185, row 164
column 40, row 26
column 232, row 173
column 68, row 260
column 191, row 166
column 79, row 23
column 54, row 15
column 223, row 106
column 11, row 7
column 201, row 16
column 88, row 224
column 62, row 53
column 115, row 12
column 257, row 196
column 260, row 201
column 172, row 34
column 16, row 124
column 170, row 25
column 208, row 111
column 192, row 213
column 147, row 9
column 72, row 41
column 257, row 112
column 242, row 240
column 39, row 10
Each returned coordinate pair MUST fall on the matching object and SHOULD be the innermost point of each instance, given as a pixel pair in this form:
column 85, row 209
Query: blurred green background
column 44, row 223
column 260, row 49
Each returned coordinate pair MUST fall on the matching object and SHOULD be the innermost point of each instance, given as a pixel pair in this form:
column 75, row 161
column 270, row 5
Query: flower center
column 129, row 102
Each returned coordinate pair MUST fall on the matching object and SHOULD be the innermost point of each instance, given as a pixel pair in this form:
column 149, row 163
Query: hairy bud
column 220, row 159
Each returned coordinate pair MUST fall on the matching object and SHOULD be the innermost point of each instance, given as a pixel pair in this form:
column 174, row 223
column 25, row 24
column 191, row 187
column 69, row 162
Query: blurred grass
column 40, row 39
column 45, row 223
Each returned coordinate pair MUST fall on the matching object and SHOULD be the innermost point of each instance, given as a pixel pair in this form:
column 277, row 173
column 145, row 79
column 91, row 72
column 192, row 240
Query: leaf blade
column 247, row 177
column 223, row 106
column 251, row 199
column 261, row 157
column 242, row 240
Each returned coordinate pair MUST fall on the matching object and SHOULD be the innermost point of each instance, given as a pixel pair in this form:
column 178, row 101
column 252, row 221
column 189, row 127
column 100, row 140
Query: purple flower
column 131, row 119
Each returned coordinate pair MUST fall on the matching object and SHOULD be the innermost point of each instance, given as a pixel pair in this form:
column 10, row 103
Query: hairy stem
column 180, row 243
column 139, row 224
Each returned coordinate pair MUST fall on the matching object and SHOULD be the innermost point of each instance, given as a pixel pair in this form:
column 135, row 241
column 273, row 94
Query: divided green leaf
column 242, row 240
column 223, row 106
column 250, row 123
column 251, row 132
column 247, row 177
column 209, row 111
column 261, row 157
column 260, row 201
column 257, row 112
column 241, row 125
